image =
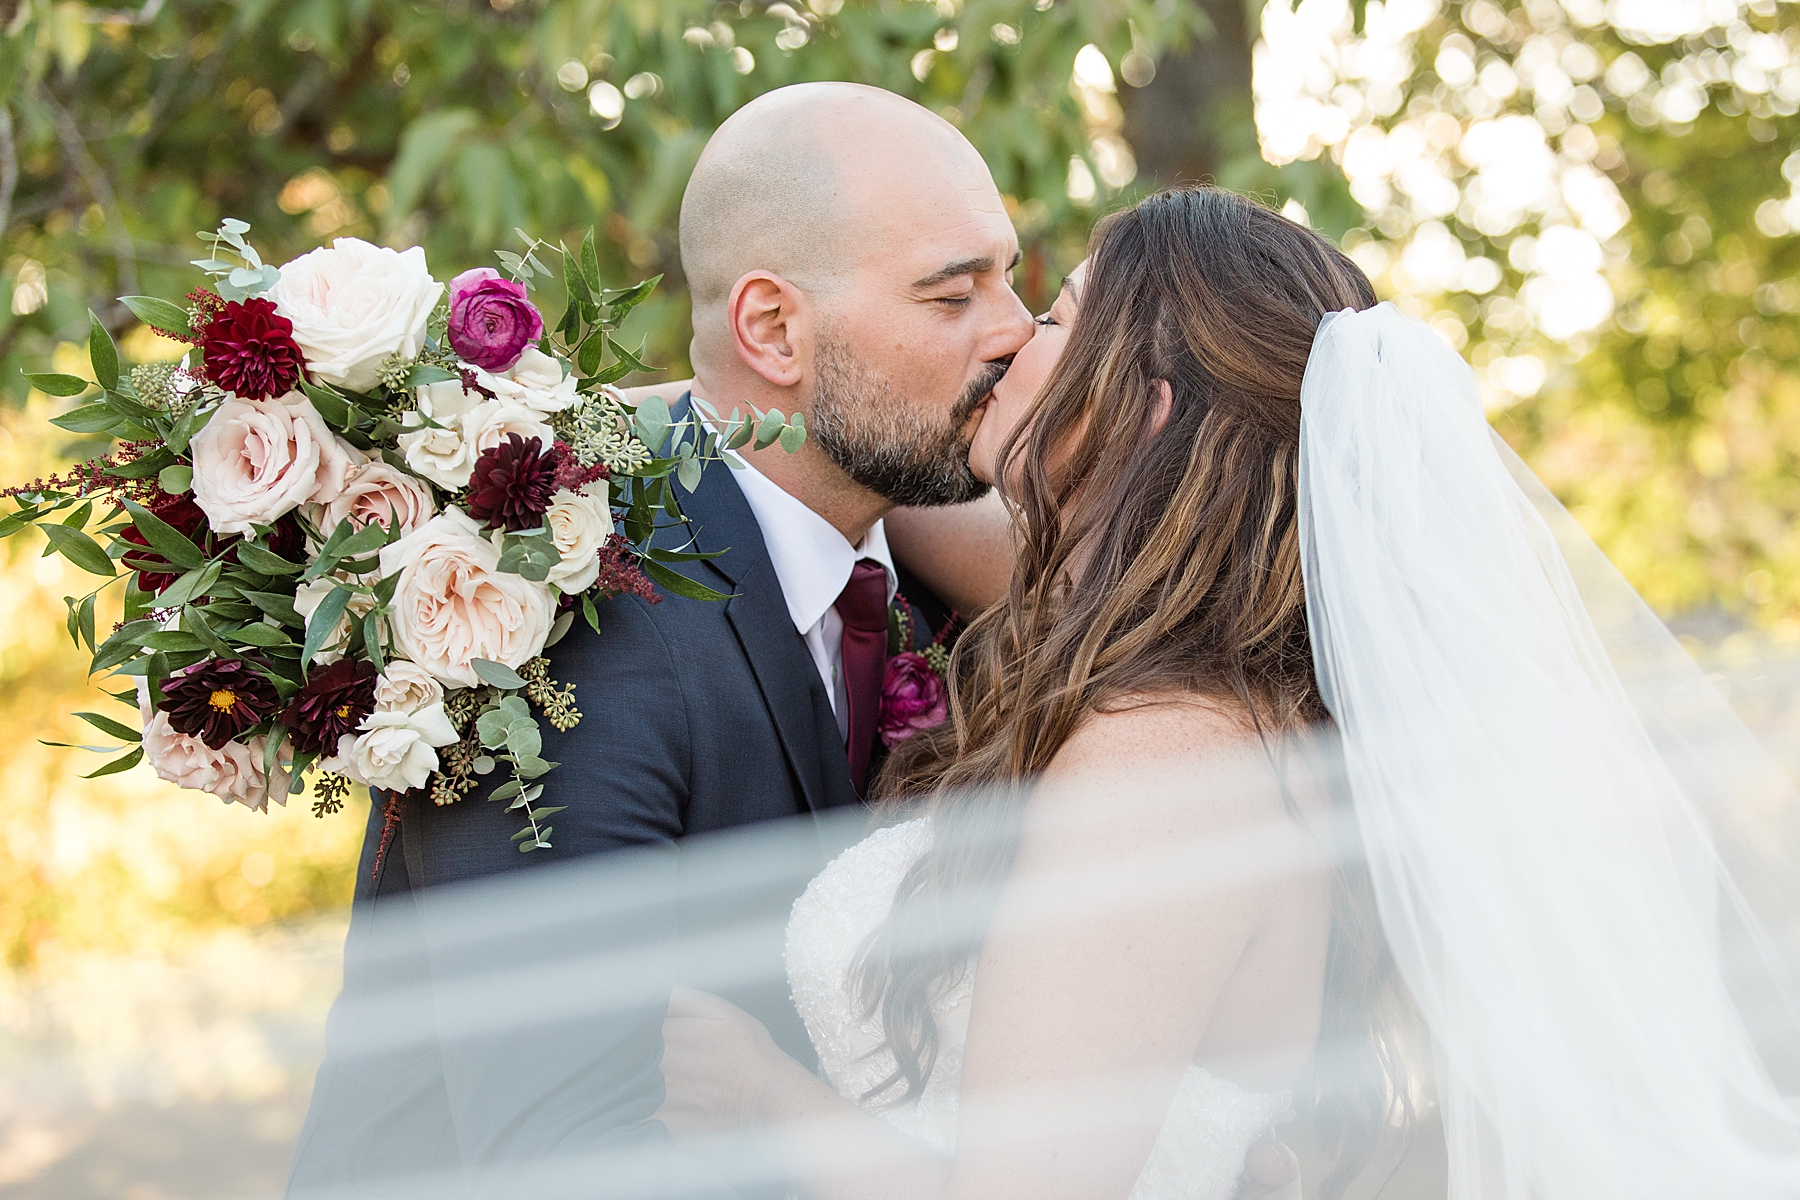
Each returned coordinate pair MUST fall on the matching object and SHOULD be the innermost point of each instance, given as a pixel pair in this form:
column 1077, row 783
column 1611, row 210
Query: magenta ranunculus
column 491, row 319
column 912, row 698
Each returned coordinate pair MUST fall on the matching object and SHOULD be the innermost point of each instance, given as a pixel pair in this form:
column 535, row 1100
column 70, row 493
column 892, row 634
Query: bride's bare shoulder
column 1157, row 730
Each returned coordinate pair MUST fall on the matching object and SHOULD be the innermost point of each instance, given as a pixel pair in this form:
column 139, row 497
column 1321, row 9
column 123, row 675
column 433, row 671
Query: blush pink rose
column 379, row 492
column 258, row 460
column 234, row 772
column 912, row 698
column 453, row 603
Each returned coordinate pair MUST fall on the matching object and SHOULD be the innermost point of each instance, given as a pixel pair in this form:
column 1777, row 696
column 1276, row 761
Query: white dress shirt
column 813, row 562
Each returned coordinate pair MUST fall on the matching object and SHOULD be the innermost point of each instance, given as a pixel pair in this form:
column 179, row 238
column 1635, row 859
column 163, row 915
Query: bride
column 1293, row 732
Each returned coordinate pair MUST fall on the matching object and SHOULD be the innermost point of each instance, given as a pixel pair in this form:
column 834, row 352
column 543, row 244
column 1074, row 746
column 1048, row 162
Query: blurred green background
column 1593, row 200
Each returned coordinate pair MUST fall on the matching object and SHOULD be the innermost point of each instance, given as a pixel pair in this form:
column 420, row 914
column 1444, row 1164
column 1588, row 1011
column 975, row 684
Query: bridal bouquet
column 351, row 518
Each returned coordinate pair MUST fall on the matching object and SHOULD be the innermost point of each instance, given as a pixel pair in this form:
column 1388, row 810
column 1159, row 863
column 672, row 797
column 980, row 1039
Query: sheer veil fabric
column 1582, row 860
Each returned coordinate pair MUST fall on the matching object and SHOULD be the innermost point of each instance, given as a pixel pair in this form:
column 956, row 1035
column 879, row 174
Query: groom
column 848, row 257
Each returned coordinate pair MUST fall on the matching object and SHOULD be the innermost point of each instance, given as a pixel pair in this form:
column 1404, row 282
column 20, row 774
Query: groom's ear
column 770, row 327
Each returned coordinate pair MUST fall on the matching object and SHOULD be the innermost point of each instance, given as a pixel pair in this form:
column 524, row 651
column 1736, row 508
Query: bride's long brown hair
column 1189, row 584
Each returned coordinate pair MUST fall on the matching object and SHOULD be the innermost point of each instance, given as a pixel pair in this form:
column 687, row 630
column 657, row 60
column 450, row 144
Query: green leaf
column 173, row 640
column 256, row 633
column 277, row 604
column 143, row 468
column 678, row 583
column 13, row 522
column 175, row 480
column 124, row 762
column 794, row 436
column 372, row 640
column 158, row 314
column 424, row 373
column 102, row 352
column 590, row 262
column 507, row 790
column 164, row 538
column 688, row 473
column 524, row 738
column 333, row 407
column 192, row 421
column 323, row 621
column 52, row 384
column 652, row 420
column 497, row 674
column 105, row 724
column 560, row 629
column 590, row 612
column 84, row 620
column 769, row 427
column 192, row 619
column 79, row 549
column 263, row 560
column 89, row 418
column 591, row 351
column 191, row 586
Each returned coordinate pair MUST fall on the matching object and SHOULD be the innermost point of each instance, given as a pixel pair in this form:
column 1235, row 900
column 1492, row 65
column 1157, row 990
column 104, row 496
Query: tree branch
column 101, row 189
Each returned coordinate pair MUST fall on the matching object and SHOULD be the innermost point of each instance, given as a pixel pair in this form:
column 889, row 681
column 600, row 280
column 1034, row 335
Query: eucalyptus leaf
column 175, row 480
column 497, row 674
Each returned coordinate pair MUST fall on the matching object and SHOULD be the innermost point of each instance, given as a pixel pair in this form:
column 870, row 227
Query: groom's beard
column 865, row 426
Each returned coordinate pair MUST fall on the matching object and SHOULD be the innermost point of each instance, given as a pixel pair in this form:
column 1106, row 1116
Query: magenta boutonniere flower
column 912, row 698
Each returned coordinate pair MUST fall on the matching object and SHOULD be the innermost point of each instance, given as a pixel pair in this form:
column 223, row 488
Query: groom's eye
column 953, row 301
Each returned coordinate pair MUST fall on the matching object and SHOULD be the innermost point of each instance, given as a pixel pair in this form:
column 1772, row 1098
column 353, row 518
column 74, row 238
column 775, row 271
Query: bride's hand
column 717, row 1062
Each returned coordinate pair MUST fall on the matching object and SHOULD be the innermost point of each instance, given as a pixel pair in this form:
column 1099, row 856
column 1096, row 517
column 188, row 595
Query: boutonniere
column 914, row 695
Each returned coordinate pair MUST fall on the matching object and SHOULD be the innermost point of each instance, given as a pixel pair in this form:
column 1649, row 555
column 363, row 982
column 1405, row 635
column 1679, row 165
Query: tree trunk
column 1196, row 115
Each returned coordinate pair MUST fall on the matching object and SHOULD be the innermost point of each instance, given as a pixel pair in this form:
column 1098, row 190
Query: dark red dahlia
column 154, row 571
column 287, row 539
column 332, row 703
column 249, row 350
column 512, row 484
column 218, row 699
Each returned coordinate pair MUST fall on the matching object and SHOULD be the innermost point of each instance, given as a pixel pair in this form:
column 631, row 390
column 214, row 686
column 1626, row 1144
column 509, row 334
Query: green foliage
column 449, row 124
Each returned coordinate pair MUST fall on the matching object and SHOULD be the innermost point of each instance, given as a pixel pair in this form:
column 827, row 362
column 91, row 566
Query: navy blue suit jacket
column 696, row 717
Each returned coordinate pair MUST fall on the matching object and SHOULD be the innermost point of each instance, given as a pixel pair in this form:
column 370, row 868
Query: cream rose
column 453, row 604
column 487, row 424
column 353, row 305
column 406, row 687
column 536, row 381
column 233, row 773
column 442, row 455
column 259, row 459
column 398, row 751
column 579, row 524
column 378, row 491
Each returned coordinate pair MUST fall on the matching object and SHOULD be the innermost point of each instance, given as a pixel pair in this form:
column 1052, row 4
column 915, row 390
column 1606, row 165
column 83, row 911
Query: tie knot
column 863, row 604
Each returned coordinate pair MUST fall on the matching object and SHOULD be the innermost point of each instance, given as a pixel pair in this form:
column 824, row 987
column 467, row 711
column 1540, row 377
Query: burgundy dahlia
column 512, row 484
column 218, row 699
column 332, row 703
column 154, row 571
column 249, row 350
column 287, row 539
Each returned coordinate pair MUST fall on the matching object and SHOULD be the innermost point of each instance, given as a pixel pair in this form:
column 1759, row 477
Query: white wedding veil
column 1577, row 849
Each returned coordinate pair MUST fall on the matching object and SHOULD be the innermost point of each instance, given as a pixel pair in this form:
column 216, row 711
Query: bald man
column 849, row 258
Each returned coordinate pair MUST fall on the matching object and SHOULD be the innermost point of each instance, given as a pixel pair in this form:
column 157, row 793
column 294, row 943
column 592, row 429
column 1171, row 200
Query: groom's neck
column 808, row 475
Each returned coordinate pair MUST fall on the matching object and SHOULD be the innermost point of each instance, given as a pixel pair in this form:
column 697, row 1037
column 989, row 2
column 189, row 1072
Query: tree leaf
column 497, row 674
column 79, row 549
column 102, row 352
column 52, row 384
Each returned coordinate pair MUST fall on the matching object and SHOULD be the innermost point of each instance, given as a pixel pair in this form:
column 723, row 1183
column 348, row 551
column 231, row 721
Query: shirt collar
column 812, row 560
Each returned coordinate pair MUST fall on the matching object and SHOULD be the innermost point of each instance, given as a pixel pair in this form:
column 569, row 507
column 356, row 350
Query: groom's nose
column 1011, row 328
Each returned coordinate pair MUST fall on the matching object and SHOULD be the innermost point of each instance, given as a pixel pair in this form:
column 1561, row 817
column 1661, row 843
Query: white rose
column 579, row 524
column 447, row 398
column 397, row 751
column 378, row 491
column 453, row 604
column 307, row 598
column 259, row 459
column 536, row 381
column 440, row 455
column 353, row 305
column 406, row 687
column 233, row 773
column 487, row 424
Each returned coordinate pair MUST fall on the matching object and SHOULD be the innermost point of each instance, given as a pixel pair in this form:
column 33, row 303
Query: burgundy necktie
column 863, row 605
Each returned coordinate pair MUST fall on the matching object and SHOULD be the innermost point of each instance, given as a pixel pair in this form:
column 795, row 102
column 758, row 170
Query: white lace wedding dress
column 1212, row 1122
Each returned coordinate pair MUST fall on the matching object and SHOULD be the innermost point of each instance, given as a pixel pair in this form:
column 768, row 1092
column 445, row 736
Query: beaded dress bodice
column 1212, row 1122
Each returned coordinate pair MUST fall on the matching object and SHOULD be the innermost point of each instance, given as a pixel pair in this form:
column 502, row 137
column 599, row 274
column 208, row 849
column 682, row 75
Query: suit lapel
column 791, row 688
